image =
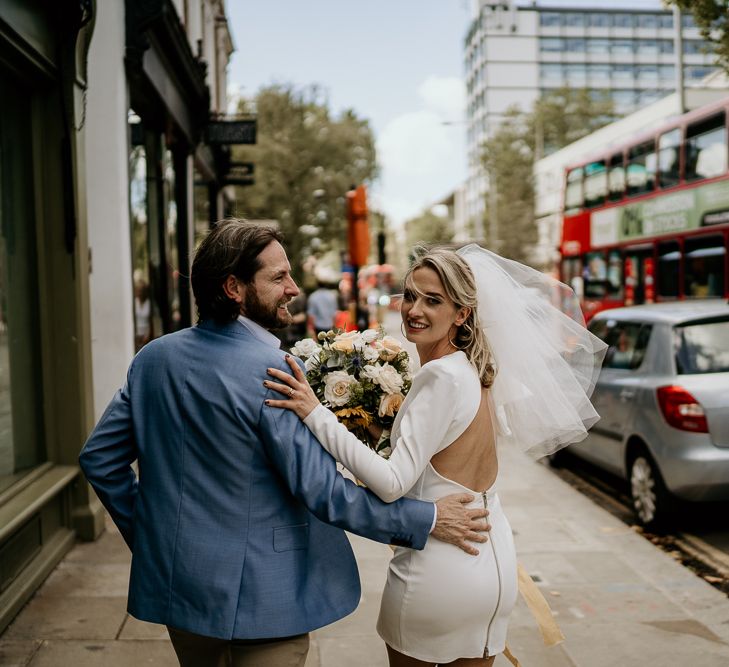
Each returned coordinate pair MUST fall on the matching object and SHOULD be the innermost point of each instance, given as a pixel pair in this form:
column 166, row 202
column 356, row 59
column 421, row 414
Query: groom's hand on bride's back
column 459, row 525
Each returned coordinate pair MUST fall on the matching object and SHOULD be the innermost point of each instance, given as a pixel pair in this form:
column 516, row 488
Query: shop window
column 704, row 266
column 22, row 445
column 669, row 147
column 706, row 148
column 641, row 172
column 669, row 262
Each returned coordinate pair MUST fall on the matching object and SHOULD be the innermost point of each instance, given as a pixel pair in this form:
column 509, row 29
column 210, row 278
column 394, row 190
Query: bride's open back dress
column 439, row 604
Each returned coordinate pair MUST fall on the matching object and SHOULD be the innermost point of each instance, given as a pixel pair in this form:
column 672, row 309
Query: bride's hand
column 300, row 397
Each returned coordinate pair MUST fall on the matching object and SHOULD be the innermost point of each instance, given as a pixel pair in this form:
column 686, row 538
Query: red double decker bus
column 648, row 220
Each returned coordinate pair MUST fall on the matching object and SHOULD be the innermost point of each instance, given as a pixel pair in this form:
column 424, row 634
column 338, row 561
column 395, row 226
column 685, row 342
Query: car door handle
column 626, row 394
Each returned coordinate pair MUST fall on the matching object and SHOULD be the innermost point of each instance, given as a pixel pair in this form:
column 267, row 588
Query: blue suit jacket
column 235, row 523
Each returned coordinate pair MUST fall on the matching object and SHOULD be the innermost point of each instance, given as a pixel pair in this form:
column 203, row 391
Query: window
column 615, row 274
column 687, row 20
column 649, row 21
column 602, row 275
column 22, row 437
column 706, row 148
column 627, row 343
column 641, row 172
column 576, row 73
column 647, row 73
column 596, row 184
column 574, row 20
column 694, row 47
column 598, row 20
column 550, row 71
column 550, row 45
column 647, row 47
column 702, row 347
column 666, row 72
column 598, row 46
column 704, row 266
column 598, row 72
column 622, row 73
column 665, row 20
column 669, row 146
column 624, row 100
column 697, row 72
column 573, row 193
column 616, row 178
column 665, row 46
column 575, row 45
column 623, row 20
column 669, row 259
column 624, row 46
column 550, row 19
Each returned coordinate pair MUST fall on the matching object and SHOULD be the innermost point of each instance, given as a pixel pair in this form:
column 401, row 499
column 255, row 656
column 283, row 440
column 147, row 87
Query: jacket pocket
column 288, row 538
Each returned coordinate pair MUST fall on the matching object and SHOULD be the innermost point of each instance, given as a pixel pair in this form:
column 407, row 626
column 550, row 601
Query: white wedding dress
column 439, row 604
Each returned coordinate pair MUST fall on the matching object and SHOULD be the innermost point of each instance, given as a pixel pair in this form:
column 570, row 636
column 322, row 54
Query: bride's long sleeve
column 424, row 422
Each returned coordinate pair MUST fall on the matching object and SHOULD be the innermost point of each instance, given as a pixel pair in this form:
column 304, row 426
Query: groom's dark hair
column 231, row 247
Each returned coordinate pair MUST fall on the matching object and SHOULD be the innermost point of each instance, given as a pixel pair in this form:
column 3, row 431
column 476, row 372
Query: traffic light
column 358, row 232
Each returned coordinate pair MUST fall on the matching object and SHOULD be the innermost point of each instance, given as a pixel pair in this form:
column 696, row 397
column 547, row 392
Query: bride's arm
column 423, row 425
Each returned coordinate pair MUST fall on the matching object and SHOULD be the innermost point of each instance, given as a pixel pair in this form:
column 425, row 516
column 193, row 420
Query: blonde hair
column 460, row 286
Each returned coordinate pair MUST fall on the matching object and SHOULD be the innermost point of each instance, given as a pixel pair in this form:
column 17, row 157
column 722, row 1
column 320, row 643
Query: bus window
column 616, row 178
column 669, row 260
column 706, row 148
column 669, row 145
column 594, row 275
column 635, row 274
column 573, row 192
column 571, row 274
column 596, row 184
column 641, row 173
column 704, row 266
column 615, row 274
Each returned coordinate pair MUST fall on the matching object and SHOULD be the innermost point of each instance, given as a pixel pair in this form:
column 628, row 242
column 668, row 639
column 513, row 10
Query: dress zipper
column 498, row 575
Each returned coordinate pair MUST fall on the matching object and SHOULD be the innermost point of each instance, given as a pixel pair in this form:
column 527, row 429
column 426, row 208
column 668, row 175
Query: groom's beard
column 269, row 316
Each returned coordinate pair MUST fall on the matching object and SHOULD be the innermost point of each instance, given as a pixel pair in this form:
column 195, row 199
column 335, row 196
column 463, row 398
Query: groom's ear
column 234, row 289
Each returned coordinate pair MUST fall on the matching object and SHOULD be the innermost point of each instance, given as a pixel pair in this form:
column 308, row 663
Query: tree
column 712, row 19
column 555, row 120
column 305, row 161
column 428, row 228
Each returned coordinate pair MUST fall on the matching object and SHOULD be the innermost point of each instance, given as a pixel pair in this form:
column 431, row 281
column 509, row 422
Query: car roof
column 673, row 312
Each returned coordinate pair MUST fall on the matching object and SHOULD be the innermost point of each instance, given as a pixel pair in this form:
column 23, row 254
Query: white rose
column 305, row 348
column 368, row 335
column 347, row 342
column 391, row 347
column 386, row 376
column 370, row 353
column 337, row 387
column 311, row 362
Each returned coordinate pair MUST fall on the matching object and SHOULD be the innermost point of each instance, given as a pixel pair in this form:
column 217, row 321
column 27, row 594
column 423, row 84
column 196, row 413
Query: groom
column 235, row 521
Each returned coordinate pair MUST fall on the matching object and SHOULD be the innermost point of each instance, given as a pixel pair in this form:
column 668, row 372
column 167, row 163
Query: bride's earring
column 402, row 328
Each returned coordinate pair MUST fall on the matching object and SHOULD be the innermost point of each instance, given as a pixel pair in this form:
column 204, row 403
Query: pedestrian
column 321, row 308
column 235, row 517
column 496, row 360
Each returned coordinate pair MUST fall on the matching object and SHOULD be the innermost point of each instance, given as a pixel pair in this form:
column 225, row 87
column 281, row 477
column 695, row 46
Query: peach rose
column 390, row 404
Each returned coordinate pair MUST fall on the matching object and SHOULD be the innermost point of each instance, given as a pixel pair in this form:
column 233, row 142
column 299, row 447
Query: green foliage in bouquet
column 363, row 377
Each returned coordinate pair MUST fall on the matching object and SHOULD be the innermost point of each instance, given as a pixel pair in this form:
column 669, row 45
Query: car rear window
column 702, row 347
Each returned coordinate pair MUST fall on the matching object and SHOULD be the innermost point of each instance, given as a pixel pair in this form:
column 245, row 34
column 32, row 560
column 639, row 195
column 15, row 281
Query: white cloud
column 422, row 158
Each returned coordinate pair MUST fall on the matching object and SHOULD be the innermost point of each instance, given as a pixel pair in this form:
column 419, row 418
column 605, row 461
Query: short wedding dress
column 439, row 604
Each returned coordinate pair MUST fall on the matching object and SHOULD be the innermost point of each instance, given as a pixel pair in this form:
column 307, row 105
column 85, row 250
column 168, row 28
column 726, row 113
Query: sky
column 397, row 63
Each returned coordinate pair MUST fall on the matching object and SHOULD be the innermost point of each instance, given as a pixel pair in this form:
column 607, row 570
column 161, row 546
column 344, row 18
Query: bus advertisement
column 648, row 220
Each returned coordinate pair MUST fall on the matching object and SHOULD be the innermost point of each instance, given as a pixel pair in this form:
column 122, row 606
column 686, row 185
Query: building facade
column 516, row 51
column 106, row 174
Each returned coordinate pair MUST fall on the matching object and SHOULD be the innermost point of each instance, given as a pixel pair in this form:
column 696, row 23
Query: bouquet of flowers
column 363, row 377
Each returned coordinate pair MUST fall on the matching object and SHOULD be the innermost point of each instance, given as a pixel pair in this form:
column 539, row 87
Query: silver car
column 663, row 398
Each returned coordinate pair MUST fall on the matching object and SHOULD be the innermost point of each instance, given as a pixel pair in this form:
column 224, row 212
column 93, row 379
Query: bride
column 498, row 361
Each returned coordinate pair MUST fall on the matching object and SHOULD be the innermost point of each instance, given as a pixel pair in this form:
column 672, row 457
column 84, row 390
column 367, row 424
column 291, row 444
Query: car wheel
column 651, row 499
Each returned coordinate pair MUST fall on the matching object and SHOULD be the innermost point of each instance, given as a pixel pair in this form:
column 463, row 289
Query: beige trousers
column 199, row 651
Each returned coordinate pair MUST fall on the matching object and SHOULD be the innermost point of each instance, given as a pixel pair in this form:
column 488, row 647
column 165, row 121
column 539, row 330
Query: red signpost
column 358, row 236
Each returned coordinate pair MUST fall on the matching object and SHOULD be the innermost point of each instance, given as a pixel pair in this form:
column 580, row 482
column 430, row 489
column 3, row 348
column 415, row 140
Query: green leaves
column 306, row 160
column 712, row 19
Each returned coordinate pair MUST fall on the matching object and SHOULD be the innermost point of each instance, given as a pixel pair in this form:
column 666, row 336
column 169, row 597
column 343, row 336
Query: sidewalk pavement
column 620, row 600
